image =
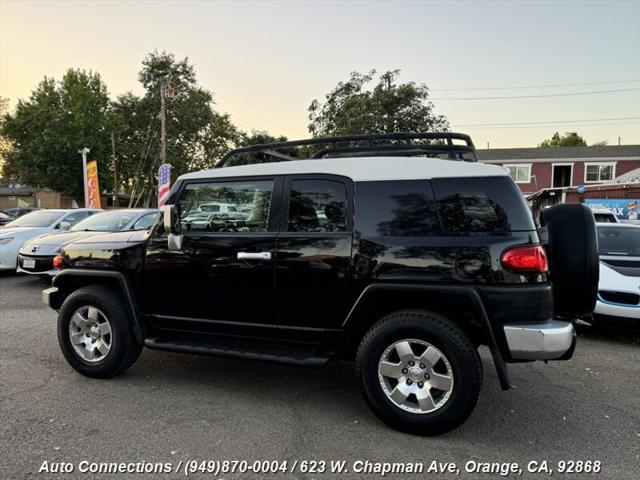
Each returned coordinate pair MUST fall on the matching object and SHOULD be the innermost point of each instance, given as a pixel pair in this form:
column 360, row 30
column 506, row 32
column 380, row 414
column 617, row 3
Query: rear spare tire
column 572, row 248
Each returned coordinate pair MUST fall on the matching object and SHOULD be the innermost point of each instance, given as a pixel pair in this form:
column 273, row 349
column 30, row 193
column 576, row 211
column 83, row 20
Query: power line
column 285, row 130
column 504, row 124
column 566, row 94
column 566, row 125
column 533, row 86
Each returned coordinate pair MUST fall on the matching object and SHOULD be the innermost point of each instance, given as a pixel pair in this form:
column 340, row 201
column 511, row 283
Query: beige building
column 42, row 198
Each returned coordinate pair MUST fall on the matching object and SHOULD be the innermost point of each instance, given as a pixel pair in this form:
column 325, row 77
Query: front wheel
column 419, row 372
column 95, row 333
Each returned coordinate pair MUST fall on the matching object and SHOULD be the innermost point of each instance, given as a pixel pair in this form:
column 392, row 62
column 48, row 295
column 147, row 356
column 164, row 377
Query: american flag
column 164, row 183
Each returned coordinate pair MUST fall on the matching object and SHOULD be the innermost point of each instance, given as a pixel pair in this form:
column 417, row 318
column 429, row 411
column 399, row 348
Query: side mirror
column 172, row 226
column 64, row 225
column 170, row 217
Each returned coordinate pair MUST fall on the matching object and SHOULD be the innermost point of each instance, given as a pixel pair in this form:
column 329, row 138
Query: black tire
column 445, row 336
column 124, row 350
column 574, row 266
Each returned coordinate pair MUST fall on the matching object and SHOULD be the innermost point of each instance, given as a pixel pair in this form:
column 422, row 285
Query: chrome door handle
column 254, row 256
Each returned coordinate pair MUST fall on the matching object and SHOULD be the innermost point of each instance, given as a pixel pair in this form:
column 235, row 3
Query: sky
column 266, row 61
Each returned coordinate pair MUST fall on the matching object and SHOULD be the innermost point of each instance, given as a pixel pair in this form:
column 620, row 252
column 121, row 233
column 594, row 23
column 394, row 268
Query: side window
column 317, row 206
column 481, row 205
column 396, row 208
column 207, row 207
column 74, row 218
column 145, row 221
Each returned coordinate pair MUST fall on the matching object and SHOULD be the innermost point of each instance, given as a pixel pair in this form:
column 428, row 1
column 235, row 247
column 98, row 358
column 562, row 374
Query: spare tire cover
column 574, row 266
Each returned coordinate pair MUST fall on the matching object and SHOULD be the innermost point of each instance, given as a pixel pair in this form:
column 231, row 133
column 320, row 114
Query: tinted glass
column 41, row 218
column 621, row 241
column 226, row 206
column 604, row 218
column 481, row 205
column 399, row 208
column 317, row 206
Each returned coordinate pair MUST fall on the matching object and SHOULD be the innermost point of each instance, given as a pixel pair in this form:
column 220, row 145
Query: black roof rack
column 405, row 143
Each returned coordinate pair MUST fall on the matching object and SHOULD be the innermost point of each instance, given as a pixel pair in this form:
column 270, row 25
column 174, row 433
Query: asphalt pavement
column 174, row 408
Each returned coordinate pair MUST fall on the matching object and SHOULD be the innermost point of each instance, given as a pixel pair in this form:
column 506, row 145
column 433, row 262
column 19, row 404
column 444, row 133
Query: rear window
column 399, row 208
column 482, row 205
column 619, row 241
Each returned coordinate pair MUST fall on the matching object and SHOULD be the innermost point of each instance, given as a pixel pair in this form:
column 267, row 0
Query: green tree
column 351, row 108
column 569, row 139
column 197, row 135
column 46, row 131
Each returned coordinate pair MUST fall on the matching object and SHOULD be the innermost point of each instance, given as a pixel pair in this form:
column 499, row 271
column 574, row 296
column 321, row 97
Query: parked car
column 416, row 261
column 36, row 255
column 20, row 211
column 618, row 304
column 4, row 219
column 602, row 215
column 33, row 224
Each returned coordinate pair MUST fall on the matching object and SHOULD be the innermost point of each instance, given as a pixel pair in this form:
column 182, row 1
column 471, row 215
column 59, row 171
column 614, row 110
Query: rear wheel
column 95, row 333
column 419, row 372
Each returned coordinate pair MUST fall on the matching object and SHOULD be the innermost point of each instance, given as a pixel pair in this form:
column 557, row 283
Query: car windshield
column 104, row 222
column 619, row 241
column 41, row 218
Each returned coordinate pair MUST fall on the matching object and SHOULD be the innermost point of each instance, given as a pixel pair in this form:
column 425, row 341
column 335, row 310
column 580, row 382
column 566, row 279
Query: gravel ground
column 173, row 408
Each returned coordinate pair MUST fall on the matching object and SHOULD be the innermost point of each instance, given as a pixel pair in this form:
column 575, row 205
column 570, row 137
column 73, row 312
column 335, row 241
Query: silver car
column 36, row 256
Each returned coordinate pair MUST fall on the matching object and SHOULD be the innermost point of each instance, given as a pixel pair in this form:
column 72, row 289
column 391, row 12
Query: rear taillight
column 57, row 261
column 525, row 258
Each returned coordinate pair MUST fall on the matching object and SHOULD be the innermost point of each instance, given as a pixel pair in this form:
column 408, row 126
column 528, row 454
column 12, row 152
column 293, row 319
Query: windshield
column 619, row 241
column 41, row 218
column 104, row 222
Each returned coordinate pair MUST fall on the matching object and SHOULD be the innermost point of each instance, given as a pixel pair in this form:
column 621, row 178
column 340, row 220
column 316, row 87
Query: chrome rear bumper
column 544, row 341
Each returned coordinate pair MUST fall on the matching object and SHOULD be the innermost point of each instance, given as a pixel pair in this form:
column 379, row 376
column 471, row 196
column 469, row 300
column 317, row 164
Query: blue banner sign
column 624, row 208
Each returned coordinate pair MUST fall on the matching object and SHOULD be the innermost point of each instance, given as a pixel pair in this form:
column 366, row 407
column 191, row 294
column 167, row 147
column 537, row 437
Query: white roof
column 360, row 169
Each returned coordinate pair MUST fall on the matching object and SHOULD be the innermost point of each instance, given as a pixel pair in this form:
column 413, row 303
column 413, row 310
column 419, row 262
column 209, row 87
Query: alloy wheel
column 415, row 376
column 90, row 334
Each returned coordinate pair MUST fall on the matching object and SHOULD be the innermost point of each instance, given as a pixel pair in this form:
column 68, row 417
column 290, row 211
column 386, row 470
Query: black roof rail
column 404, row 143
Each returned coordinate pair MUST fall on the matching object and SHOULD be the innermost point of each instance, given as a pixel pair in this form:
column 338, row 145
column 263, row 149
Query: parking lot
column 171, row 407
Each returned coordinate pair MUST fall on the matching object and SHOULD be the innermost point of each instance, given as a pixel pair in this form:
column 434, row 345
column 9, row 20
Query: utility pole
column 619, row 141
column 115, row 175
column 84, row 152
column 164, row 75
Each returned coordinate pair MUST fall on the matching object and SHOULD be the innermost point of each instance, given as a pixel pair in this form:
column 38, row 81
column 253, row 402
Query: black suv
column 400, row 251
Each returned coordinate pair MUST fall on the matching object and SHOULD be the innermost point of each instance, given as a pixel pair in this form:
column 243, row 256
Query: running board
column 250, row 351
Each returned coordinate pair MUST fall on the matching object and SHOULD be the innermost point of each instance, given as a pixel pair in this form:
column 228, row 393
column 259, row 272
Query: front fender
column 71, row 279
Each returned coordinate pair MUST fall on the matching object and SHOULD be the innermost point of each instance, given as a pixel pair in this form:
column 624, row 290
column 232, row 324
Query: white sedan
column 618, row 303
column 29, row 226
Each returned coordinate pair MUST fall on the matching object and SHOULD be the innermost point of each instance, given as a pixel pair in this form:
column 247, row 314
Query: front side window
column 598, row 172
column 241, row 206
column 519, row 173
column 317, row 206
column 145, row 221
column 75, row 217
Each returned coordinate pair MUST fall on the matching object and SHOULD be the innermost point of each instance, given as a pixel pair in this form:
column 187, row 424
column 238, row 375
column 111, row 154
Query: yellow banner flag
column 93, row 188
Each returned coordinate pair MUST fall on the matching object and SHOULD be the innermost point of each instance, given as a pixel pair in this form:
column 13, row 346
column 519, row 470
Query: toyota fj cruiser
column 400, row 251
